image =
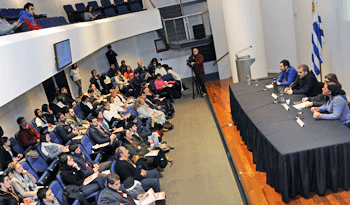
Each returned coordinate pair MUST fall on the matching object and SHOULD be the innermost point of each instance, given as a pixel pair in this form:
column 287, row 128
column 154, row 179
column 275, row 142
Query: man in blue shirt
column 288, row 72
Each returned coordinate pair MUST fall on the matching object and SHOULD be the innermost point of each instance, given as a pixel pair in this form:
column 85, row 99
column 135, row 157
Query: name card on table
column 300, row 122
column 285, row 106
column 274, row 96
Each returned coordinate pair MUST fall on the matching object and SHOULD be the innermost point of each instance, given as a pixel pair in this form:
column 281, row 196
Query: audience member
column 50, row 149
column 120, row 99
column 85, row 163
column 98, row 80
column 112, row 71
column 86, row 105
column 151, row 140
column 27, row 135
column 112, row 116
column 144, row 110
column 41, row 121
column 46, row 197
column 7, row 195
column 76, row 123
column 160, row 70
column 153, row 106
column 27, row 16
column 6, row 27
column 8, row 154
column 336, row 106
column 96, row 103
column 123, row 67
column 126, row 168
column 48, row 114
column 74, row 74
column 320, row 99
column 122, row 82
column 67, row 98
column 64, row 130
column 141, row 69
column 152, row 66
column 114, row 194
column 134, row 189
column 57, row 106
column 73, row 175
column 112, row 56
column 137, row 83
column 88, row 15
column 139, row 149
column 97, row 94
column 99, row 135
column 115, row 107
column 306, row 83
column 128, row 73
column 22, row 182
column 287, row 72
column 162, row 86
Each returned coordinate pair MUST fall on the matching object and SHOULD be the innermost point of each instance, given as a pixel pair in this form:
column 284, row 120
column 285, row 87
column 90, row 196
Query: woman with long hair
column 73, row 175
column 128, row 73
column 144, row 110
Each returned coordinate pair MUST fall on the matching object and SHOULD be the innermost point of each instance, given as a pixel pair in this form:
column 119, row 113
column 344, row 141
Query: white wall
column 31, row 54
column 220, row 39
column 279, row 35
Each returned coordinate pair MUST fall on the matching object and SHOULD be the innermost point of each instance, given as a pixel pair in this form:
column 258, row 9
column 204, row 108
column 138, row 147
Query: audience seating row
column 13, row 14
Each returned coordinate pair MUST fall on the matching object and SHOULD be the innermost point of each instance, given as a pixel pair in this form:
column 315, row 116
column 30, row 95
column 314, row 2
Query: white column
column 244, row 28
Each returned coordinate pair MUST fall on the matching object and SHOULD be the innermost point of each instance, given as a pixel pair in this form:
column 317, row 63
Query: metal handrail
column 216, row 62
column 152, row 4
column 179, row 17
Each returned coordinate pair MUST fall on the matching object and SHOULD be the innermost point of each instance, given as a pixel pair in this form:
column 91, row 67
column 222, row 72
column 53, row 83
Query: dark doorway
column 54, row 84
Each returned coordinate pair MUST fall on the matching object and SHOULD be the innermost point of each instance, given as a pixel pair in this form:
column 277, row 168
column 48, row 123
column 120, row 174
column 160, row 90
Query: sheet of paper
column 148, row 197
column 269, row 86
column 300, row 105
column 152, row 153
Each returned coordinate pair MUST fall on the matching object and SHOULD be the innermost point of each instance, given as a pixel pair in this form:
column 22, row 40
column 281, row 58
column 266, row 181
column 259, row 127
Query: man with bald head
column 199, row 70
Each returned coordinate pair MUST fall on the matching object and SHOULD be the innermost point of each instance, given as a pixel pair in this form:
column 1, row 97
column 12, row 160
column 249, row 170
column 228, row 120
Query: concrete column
column 244, row 28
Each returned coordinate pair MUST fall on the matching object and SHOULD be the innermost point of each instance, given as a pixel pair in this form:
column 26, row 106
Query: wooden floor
column 254, row 182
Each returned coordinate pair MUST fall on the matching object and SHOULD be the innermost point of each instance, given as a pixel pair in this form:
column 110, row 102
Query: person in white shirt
column 74, row 73
column 111, row 116
column 161, row 70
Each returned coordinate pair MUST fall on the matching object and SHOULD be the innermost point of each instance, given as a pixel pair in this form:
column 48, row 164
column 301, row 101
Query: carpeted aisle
column 201, row 173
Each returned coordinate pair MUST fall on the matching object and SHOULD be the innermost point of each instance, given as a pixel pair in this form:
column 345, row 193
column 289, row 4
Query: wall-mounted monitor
column 62, row 54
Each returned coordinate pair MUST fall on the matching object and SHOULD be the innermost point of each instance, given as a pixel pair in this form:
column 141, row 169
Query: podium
column 243, row 67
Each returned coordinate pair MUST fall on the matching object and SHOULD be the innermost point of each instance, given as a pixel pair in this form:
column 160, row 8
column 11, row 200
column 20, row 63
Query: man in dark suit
column 306, row 83
column 112, row 56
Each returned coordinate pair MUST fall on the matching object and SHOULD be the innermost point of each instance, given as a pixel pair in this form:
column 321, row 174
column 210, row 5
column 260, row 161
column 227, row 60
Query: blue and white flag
column 317, row 38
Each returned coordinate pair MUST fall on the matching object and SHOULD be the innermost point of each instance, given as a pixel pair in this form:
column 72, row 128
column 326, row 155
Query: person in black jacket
column 63, row 130
column 126, row 168
column 112, row 71
column 57, row 109
column 7, row 195
column 98, row 80
column 8, row 154
column 73, row 175
column 100, row 135
column 112, row 56
column 48, row 114
column 68, row 100
column 306, row 83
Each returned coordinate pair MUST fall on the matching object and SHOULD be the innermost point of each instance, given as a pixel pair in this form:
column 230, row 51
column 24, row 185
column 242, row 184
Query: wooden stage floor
column 254, row 182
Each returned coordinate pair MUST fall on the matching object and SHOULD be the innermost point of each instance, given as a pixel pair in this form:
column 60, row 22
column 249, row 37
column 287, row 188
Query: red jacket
column 32, row 26
column 28, row 136
column 199, row 67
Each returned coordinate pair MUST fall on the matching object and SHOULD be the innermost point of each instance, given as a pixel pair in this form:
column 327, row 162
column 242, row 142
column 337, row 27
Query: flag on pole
column 317, row 38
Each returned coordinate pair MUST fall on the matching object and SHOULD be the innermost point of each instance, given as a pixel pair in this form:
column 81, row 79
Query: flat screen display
column 62, row 54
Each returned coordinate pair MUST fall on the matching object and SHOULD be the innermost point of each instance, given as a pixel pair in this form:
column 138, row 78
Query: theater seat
column 122, row 10
column 110, row 12
column 135, row 7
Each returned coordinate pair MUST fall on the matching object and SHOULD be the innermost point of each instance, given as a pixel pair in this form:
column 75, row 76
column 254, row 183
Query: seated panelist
column 336, row 106
column 288, row 73
column 306, row 83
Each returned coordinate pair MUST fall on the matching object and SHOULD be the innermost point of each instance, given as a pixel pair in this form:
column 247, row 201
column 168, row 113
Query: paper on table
column 78, row 137
column 152, row 153
column 60, row 104
column 300, row 105
column 269, row 86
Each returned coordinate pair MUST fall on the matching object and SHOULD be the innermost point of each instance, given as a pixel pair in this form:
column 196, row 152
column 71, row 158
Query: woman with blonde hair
column 144, row 110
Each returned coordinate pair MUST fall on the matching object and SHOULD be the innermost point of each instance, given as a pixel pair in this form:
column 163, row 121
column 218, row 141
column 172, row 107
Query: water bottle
column 275, row 86
column 249, row 81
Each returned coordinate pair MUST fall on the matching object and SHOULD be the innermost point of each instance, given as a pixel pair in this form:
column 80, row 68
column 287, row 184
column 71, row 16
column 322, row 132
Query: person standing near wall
column 74, row 74
column 199, row 70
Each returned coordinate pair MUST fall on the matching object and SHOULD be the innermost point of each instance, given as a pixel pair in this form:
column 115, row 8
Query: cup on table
column 288, row 101
column 282, row 99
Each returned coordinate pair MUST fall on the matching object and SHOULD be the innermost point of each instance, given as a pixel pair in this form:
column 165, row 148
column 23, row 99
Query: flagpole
column 321, row 72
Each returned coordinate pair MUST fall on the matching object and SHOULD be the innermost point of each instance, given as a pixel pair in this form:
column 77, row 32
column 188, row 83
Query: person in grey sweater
column 6, row 27
column 50, row 149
